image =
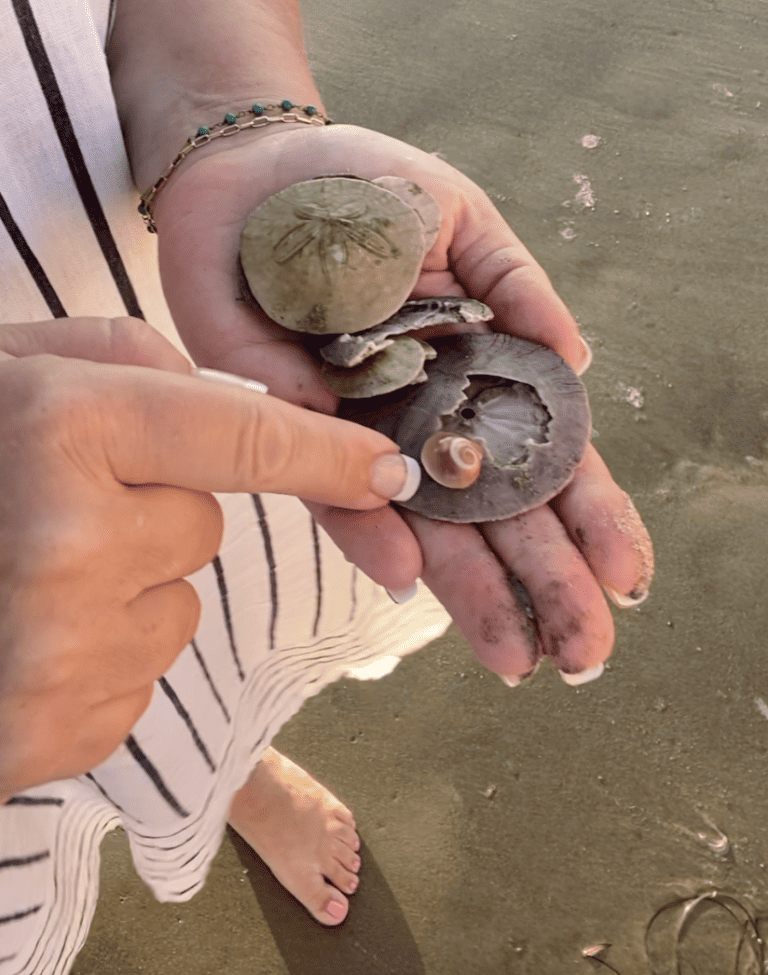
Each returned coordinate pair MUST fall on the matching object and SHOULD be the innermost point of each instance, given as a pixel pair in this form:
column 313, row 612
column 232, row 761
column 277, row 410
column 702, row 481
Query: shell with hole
column 520, row 401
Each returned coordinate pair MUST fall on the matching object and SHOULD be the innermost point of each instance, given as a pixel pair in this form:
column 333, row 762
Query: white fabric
column 283, row 613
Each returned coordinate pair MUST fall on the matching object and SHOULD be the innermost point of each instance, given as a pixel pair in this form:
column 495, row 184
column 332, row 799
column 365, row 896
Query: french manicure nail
column 633, row 598
column 587, row 362
column 395, row 476
column 214, row 375
column 401, row 596
column 584, row 677
column 515, row 680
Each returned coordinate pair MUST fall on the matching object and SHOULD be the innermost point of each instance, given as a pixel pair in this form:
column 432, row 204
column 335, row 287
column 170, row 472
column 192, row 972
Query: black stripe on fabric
column 24, row 861
column 270, row 556
column 107, row 796
column 81, row 921
column 154, row 776
column 353, row 595
column 181, row 893
column 20, row 915
column 318, row 575
column 207, row 675
column 221, row 582
column 35, row 801
column 34, row 266
column 182, row 712
column 74, row 156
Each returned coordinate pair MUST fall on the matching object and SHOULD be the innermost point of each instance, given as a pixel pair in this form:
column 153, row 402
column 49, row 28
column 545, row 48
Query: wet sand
column 508, row 830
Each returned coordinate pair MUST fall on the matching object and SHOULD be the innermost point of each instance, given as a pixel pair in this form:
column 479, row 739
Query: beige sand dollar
column 335, row 254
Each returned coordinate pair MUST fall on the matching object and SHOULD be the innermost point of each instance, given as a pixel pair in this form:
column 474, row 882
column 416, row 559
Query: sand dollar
column 520, row 401
column 397, row 364
column 332, row 255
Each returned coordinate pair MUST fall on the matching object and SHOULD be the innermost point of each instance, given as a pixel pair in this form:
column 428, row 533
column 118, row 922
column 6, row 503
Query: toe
column 345, row 855
column 341, row 877
column 324, row 901
column 347, row 836
column 334, row 910
column 345, row 816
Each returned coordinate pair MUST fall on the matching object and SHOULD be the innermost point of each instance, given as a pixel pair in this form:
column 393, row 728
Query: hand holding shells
column 338, row 256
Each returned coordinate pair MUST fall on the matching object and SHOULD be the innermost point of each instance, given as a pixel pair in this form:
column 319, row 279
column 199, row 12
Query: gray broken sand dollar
column 520, row 400
column 397, row 364
column 351, row 350
column 334, row 254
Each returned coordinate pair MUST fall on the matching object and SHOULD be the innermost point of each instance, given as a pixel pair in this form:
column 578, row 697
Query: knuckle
column 183, row 612
column 134, row 342
column 60, row 401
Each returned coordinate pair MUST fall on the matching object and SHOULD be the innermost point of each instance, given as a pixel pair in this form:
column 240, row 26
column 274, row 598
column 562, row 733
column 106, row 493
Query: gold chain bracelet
column 255, row 118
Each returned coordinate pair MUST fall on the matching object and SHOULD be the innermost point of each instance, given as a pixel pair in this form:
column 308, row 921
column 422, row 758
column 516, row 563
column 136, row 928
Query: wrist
column 254, row 121
column 179, row 64
column 155, row 145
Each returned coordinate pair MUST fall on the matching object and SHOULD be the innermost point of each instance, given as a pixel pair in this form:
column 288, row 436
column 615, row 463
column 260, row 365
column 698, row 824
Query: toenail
column 335, row 909
column 356, row 863
column 353, row 884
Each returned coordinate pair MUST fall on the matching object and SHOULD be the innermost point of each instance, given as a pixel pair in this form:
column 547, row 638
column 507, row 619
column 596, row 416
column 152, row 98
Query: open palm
column 561, row 554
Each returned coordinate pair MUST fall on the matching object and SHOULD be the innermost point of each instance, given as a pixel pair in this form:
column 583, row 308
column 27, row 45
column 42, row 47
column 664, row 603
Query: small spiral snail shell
column 452, row 460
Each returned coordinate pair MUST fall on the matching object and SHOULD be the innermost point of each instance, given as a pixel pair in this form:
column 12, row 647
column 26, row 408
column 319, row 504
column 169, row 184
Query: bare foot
column 302, row 832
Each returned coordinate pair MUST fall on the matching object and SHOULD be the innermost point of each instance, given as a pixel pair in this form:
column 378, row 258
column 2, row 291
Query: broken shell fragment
column 334, row 254
column 398, row 364
column 519, row 400
column 351, row 350
column 452, row 460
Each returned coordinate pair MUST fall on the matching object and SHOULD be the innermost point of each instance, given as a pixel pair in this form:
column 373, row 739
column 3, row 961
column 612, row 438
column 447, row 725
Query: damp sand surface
column 506, row 831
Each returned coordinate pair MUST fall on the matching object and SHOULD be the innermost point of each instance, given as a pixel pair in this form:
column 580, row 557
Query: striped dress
column 283, row 613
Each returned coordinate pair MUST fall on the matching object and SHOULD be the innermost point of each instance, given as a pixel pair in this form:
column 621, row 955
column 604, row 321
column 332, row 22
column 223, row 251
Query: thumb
column 185, row 431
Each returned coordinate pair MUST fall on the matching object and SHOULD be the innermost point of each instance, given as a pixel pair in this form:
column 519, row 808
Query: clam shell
column 399, row 364
column 520, row 400
column 332, row 255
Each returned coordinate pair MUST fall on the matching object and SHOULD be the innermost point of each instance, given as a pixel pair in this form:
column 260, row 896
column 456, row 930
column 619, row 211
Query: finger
column 602, row 520
column 159, row 624
column 149, row 427
column 473, row 585
column 494, row 266
column 378, row 542
column 122, row 341
column 574, row 622
column 83, row 739
column 221, row 325
column 168, row 533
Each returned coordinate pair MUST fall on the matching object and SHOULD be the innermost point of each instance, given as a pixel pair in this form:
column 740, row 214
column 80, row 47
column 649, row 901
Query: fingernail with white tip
column 515, row 680
column 401, row 596
column 633, row 598
column 587, row 362
column 584, row 677
column 215, row 376
column 395, row 477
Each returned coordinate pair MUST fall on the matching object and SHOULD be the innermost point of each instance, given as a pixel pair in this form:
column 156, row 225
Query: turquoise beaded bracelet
column 255, row 117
